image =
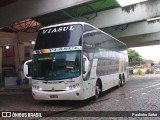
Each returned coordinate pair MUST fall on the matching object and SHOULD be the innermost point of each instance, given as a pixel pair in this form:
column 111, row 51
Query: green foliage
column 134, row 57
column 139, row 72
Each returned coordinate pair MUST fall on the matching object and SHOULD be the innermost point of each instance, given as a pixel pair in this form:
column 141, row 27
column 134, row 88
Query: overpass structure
column 20, row 20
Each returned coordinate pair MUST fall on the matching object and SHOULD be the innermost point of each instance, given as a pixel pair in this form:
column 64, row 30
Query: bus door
column 86, row 77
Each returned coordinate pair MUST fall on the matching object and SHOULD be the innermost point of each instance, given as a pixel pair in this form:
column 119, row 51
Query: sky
column 149, row 52
column 128, row 2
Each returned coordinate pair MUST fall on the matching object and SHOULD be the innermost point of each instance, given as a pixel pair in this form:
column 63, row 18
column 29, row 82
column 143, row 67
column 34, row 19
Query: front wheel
column 120, row 81
column 123, row 79
column 97, row 90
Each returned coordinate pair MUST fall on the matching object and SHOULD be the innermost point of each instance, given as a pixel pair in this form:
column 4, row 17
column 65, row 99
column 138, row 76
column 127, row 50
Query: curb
column 15, row 88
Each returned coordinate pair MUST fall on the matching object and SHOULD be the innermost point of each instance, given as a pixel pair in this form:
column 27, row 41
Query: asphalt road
column 138, row 99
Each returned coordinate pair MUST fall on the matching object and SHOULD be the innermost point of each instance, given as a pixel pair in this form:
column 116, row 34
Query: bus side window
column 77, row 63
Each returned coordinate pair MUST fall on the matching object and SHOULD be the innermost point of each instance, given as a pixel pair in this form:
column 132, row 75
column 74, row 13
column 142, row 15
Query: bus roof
column 82, row 23
column 61, row 24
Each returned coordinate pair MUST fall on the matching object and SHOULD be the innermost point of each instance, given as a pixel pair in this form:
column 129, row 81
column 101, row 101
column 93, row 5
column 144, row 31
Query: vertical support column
column 17, row 61
column 1, row 66
column 31, row 52
column 19, row 46
column 21, row 55
column 21, row 52
column 19, row 58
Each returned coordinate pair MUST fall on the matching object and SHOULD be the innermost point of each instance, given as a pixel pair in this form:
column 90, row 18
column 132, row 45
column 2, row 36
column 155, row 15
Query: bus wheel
column 123, row 79
column 119, row 83
column 97, row 90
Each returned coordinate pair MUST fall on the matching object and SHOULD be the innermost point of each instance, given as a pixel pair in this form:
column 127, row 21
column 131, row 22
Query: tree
column 134, row 57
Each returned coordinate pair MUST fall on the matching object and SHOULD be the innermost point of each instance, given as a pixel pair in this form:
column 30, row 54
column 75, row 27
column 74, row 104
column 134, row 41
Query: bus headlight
column 67, row 88
column 77, row 85
column 40, row 89
column 72, row 87
column 36, row 87
column 33, row 86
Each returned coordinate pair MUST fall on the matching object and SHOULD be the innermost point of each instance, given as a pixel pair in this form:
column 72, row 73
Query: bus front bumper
column 74, row 94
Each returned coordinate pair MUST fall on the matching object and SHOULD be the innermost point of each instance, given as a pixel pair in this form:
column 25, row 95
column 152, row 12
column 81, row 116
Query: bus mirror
column 86, row 66
column 26, row 69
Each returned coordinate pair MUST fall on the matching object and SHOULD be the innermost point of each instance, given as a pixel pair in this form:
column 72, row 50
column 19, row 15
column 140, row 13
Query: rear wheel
column 97, row 90
column 123, row 79
column 119, row 83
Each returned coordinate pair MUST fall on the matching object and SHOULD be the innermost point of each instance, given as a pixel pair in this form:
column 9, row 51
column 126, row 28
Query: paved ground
column 138, row 95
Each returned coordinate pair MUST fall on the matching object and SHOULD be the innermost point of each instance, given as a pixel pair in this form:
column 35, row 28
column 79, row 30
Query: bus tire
column 97, row 89
column 123, row 79
column 120, row 81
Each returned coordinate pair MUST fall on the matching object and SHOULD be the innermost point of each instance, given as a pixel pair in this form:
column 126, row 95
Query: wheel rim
column 97, row 91
column 122, row 82
column 119, row 84
column 123, row 79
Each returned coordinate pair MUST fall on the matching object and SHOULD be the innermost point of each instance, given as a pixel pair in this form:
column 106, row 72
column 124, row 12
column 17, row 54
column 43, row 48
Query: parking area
column 138, row 94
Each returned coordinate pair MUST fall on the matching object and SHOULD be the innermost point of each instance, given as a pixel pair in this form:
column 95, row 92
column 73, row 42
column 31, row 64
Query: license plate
column 53, row 96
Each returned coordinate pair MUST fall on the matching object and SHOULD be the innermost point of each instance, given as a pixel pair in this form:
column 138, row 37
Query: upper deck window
column 61, row 36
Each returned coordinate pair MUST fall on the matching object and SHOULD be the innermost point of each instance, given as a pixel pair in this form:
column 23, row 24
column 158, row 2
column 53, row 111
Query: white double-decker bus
column 75, row 61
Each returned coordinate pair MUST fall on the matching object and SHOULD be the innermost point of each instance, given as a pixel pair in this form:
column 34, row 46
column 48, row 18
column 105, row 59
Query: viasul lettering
column 58, row 29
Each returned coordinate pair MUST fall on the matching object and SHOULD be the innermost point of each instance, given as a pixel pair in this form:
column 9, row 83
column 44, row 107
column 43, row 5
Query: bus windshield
column 62, row 36
column 57, row 66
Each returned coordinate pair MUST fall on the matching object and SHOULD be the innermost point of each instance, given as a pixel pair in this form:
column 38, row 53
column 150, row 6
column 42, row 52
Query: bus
column 76, row 61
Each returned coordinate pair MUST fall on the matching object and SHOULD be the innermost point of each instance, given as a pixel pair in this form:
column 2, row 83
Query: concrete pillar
column 31, row 52
column 19, row 58
column 0, row 65
column 22, row 58
column 21, row 52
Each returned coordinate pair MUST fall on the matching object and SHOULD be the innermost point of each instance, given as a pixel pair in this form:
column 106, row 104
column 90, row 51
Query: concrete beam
column 149, row 43
column 117, row 16
column 7, row 35
column 142, row 38
column 25, row 37
column 8, row 38
column 134, row 29
column 6, row 41
column 24, row 9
